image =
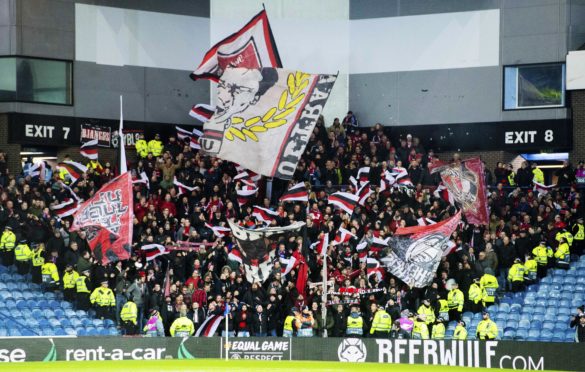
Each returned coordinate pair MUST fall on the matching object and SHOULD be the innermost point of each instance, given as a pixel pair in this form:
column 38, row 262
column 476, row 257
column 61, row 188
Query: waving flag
column 264, row 118
column 257, row 247
column 152, row 251
column 364, row 192
column 342, row 236
column 143, row 179
column 377, row 244
column 363, row 175
column 209, row 326
column 246, row 178
column 182, row 187
column 466, row 185
column 74, row 169
column 251, row 47
column 66, row 208
column 107, row 219
column 541, row 189
column 263, row 214
column 320, row 246
column 192, row 137
column 416, row 251
column 297, row 192
column 246, row 195
column 90, row 149
column 373, row 268
column 202, row 112
column 218, row 231
column 344, row 200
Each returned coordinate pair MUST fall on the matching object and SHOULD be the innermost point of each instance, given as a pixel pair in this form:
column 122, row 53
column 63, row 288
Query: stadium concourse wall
column 488, row 354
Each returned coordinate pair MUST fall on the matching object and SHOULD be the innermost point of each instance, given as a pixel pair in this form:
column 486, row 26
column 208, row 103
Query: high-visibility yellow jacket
column 355, row 326
column 22, row 252
column 38, row 258
column 95, row 165
column 182, row 327
column 487, row 330
column 438, row 332
column 460, row 333
column 456, row 299
column 443, row 306
column 580, row 234
column 382, row 322
column 49, row 268
column 289, row 323
column 81, row 285
column 7, row 241
column 489, row 283
column 102, row 296
column 142, row 148
column 475, row 293
column 567, row 235
column 538, row 175
column 516, row 273
column 420, row 330
column 540, row 254
column 156, row 147
column 70, row 279
column 428, row 312
column 531, row 269
column 129, row 312
column 562, row 251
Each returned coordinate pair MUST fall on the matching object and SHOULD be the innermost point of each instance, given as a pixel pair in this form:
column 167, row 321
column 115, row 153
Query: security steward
column 475, row 296
column 22, row 255
column 429, row 313
column 7, row 244
column 531, row 267
column 82, row 287
column 155, row 146
column 103, row 299
column 290, row 323
column 70, row 277
column 420, row 330
column 37, row 260
column 489, row 284
column 355, row 322
column 516, row 275
column 456, row 300
column 564, row 234
column 460, row 331
column 487, row 329
column 563, row 254
column 443, row 307
column 578, row 231
column 141, row 147
column 50, row 275
column 540, row 254
column 439, row 329
column 382, row 322
column 182, row 326
column 128, row 315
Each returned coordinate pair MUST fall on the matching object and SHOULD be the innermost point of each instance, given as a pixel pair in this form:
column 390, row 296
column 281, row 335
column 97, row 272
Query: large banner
column 264, row 118
column 257, row 247
column 466, row 184
column 107, row 220
column 415, row 252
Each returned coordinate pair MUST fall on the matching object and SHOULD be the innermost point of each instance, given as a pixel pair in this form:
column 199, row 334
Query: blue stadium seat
column 581, row 280
column 546, row 334
column 81, row 313
column 113, row 332
column 555, row 294
column 75, row 322
column 27, row 332
column 69, row 313
column 54, row 304
column 104, row 332
column 558, row 285
column 524, row 324
column 3, row 332
column 100, row 323
column 32, row 304
column 59, row 313
column 48, row 313
column 86, row 322
column 516, row 308
column 551, row 312
column 50, row 295
column 493, row 309
column 506, row 300
column 55, row 322
column 541, row 302
column 547, row 325
column 539, row 310
column 82, row 332
column 504, row 308
column 546, row 280
column 552, row 303
column 65, row 305
column 565, row 303
column 14, row 332
column 511, row 324
column 530, row 301
column 110, row 323
column 64, row 322
column 533, row 333
column 514, row 316
column 60, row 332
column 43, row 304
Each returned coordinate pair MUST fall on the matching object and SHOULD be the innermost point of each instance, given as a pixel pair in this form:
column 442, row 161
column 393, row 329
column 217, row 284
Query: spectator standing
column 397, row 332
column 154, row 327
column 138, row 293
column 182, row 326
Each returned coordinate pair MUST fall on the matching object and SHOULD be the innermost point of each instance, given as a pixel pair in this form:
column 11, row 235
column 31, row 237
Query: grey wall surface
column 531, row 31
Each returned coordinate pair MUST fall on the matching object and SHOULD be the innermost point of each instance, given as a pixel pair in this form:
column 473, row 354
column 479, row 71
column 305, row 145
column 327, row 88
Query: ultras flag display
column 264, row 118
column 415, row 252
column 107, row 220
column 257, row 247
column 466, row 185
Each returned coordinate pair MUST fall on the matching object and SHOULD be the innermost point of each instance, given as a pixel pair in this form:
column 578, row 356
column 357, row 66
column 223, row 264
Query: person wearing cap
column 182, row 326
column 155, row 146
column 490, row 285
column 562, row 254
column 290, row 323
column 70, row 277
column 564, row 234
column 420, row 331
column 103, row 299
column 530, row 274
column 475, row 296
column 355, row 322
column 50, row 275
column 7, row 244
column 537, row 173
column 154, row 326
column 128, row 317
column 456, row 300
column 306, row 323
column 22, row 255
column 578, row 231
column 487, row 329
column 438, row 329
column 460, row 331
column 82, row 288
column 397, row 332
column 381, row 323
column 540, row 254
column 516, row 275
column 429, row 313
column 37, row 260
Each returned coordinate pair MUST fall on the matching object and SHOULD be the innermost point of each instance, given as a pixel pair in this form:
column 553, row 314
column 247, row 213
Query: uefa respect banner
column 264, row 118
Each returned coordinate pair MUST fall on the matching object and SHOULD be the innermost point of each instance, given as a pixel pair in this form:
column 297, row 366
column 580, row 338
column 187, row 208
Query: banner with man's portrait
column 264, row 118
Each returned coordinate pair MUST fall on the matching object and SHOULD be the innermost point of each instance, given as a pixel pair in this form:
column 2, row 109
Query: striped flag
column 152, row 251
column 263, row 214
column 320, row 246
column 364, row 192
column 246, row 194
column 423, row 221
column 363, row 175
column 342, row 236
column 89, row 149
column 143, row 179
column 202, row 112
column 378, row 244
column 362, row 250
column 182, row 187
column 386, row 180
column 344, row 200
column 373, row 268
column 235, row 255
column 66, row 208
column 192, row 137
column 209, row 326
column 74, row 169
column 296, row 193
column 218, row 231
column 541, row 189
column 246, row 178
column 253, row 175
column 288, row 264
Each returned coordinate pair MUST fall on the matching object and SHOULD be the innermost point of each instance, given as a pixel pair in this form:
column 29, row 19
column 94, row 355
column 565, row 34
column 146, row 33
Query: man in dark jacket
column 259, row 323
column 398, row 333
column 340, row 322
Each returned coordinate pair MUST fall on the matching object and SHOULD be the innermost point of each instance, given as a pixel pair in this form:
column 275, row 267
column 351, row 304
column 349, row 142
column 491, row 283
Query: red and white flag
column 320, row 246
column 235, row 255
column 152, row 251
column 541, row 189
column 297, row 192
column 218, row 231
column 246, row 195
column 342, row 236
column 423, row 221
column 263, row 214
column 363, row 175
column 89, row 149
column 143, row 179
column 245, row 178
column 182, row 187
column 74, row 169
column 288, row 264
column 364, row 192
column 192, row 136
column 344, row 200
column 378, row 244
column 66, row 208
column 202, row 112
column 373, row 268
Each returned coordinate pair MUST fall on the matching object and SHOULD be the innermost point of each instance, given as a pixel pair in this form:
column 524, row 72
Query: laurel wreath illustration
column 275, row 116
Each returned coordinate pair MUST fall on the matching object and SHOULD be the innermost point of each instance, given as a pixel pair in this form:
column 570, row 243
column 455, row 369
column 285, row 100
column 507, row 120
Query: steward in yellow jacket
column 7, row 244
column 22, row 255
column 104, row 301
column 487, row 329
column 516, row 276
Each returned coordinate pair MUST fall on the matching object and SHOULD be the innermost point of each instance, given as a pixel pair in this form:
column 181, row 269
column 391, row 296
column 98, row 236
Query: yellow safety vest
column 80, row 284
column 489, row 283
column 420, row 330
column 22, row 253
column 156, row 147
column 142, row 148
column 443, row 306
column 288, row 323
column 511, row 180
column 37, row 257
column 487, row 329
column 567, row 235
column 7, row 241
column 50, row 268
column 475, row 293
column 540, row 254
column 428, row 312
column 355, row 326
column 460, row 333
column 562, row 251
column 538, row 175
column 102, row 297
column 382, row 322
column 182, row 327
column 438, row 332
column 580, row 235
column 70, row 279
column 129, row 312
column 516, row 273
column 531, row 269
column 456, row 299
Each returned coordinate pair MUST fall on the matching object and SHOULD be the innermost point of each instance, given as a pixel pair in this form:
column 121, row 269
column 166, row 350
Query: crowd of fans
column 527, row 233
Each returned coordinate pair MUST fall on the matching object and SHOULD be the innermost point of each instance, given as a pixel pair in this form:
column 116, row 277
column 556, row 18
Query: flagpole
column 123, row 163
column 227, row 337
column 324, row 294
